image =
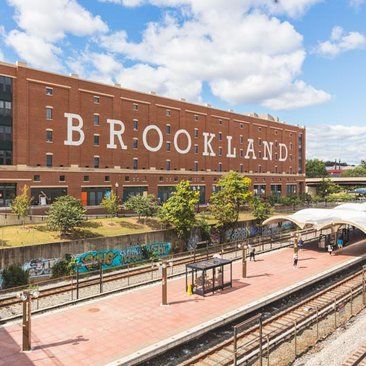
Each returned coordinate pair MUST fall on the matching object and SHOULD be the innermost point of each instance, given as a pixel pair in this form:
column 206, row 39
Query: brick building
column 60, row 134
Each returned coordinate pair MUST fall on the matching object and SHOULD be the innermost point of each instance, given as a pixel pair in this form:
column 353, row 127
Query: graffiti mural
column 39, row 267
column 117, row 257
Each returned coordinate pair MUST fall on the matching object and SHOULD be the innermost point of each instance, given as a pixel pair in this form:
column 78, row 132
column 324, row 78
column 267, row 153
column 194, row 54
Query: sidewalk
column 112, row 328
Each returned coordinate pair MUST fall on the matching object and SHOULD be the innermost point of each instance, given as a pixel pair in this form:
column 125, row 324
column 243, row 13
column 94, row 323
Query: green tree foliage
column 145, row 206
column 21, row 203
column 14, row 275
column 315, row 168
column 358, row 171
column 261, row 209
column 292, row 200
column 110, row 204
column 65, row 214
column 225, row 204
column 327, row 187
column 306, row 198
column 179, row 209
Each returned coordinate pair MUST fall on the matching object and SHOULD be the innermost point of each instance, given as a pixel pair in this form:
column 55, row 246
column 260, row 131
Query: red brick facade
column 72, row 165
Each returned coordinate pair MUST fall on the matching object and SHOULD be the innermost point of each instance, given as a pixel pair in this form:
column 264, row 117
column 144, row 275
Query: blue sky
column 300, row 60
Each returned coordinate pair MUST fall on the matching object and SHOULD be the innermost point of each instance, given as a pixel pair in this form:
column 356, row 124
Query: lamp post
column 26, row 296
column 164, row 281
column 244, row 260
column 116, row 185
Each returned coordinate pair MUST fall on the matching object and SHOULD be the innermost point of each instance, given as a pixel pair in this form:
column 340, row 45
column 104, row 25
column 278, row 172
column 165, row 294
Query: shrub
column 21, row 203
column 14, row 275
column 62, row 268
column 110, row 204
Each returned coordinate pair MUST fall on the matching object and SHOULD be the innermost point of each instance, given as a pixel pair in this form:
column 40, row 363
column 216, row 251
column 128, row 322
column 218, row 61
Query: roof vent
column 267, row 116
column 76, row 76
column 183, row 99
column 208, row 105
column 231, row 110
column 153, row 92
column 21, row 63
column 253, row 114
column 117, row 85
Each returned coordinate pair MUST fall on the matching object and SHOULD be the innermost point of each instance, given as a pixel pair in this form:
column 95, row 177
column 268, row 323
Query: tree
column 306, row 198
column 315, row 169
column 179, row 209
column 358, row 171
column 326, row 187
column 65, row 214
column 261, row 209
column 21, row 203
column 14, row 275
column 226, row 203
column 63, row 267
column 110, row 204
column 145, row 206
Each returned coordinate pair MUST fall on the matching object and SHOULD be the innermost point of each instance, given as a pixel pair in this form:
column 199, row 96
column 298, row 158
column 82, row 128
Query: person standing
column 301, row 243
column 296, row 259
column 330, row 249
column 251, row 252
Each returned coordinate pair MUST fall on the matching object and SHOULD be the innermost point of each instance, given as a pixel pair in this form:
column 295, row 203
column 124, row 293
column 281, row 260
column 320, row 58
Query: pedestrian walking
column 296, row 259
column 301, row 243
column 251, row 252
column 330, row 249
column 340, row 244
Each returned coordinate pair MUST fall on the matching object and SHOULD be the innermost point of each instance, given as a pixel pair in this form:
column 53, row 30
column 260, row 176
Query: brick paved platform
column 113, row 328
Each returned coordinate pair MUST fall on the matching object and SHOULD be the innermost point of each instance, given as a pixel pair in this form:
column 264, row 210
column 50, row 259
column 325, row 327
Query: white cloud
column 340, row 42
column 44, row 23
column 329, row 142
column 356, row 3
column 243, row 57
column 34, row 50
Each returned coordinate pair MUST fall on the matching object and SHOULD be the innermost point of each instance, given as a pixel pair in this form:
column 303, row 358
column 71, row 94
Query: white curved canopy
column 319, row 218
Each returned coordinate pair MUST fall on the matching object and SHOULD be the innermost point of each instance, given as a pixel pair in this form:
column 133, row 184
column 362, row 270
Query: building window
column 107, row 178
column 276, row 143
column 135, row 163
column 127, row 178
column 49, row 135
column 168, row 113
column 196, row 166
column 135, row 143
column 167, row 165
column 37, row 178
column 220, row 151
column 167, row 146
column 241, row 139
column 220, row 167
column 241, row 168
column 49, row 113
column 96, row 99
column 96, row 162
column 135, row 124
column 241, row 153
column 5, row 157
column 276, row 169
column 259, row 141
column 5, row 84
column 196, row 149
column 161, row 179
column 241, row 125
column 62, row 178
column 220, row 136
column 259, row 168
column 96, row 140
column 220, row 121
column 135, row 107
column 5, row 133
column 49, row 91
column 276, row 132
column 196, row 132
column 5, row 108
column 167, row 129
column 96, row 119
column 49, row 159
column 259, row 129
column 86, row 178
column 196, row 117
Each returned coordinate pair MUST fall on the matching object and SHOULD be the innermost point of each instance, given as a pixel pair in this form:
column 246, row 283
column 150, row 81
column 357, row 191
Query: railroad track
column 357, row 358
column 134, row 271
column 277, row 329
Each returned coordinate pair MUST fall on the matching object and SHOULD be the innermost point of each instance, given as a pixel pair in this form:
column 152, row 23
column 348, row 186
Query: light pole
column 116, row 185
column 244, row 260
column 164, row 281
column 26, row 296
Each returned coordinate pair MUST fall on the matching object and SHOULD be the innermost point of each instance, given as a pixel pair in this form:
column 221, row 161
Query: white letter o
column 144, row 138
column 177, row 134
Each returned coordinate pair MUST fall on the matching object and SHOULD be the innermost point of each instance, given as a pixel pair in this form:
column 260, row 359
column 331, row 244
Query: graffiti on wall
column 40, row 267
column 117, row 257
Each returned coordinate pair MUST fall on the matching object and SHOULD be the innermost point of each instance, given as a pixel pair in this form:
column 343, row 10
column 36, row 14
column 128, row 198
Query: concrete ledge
column 185, row 336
